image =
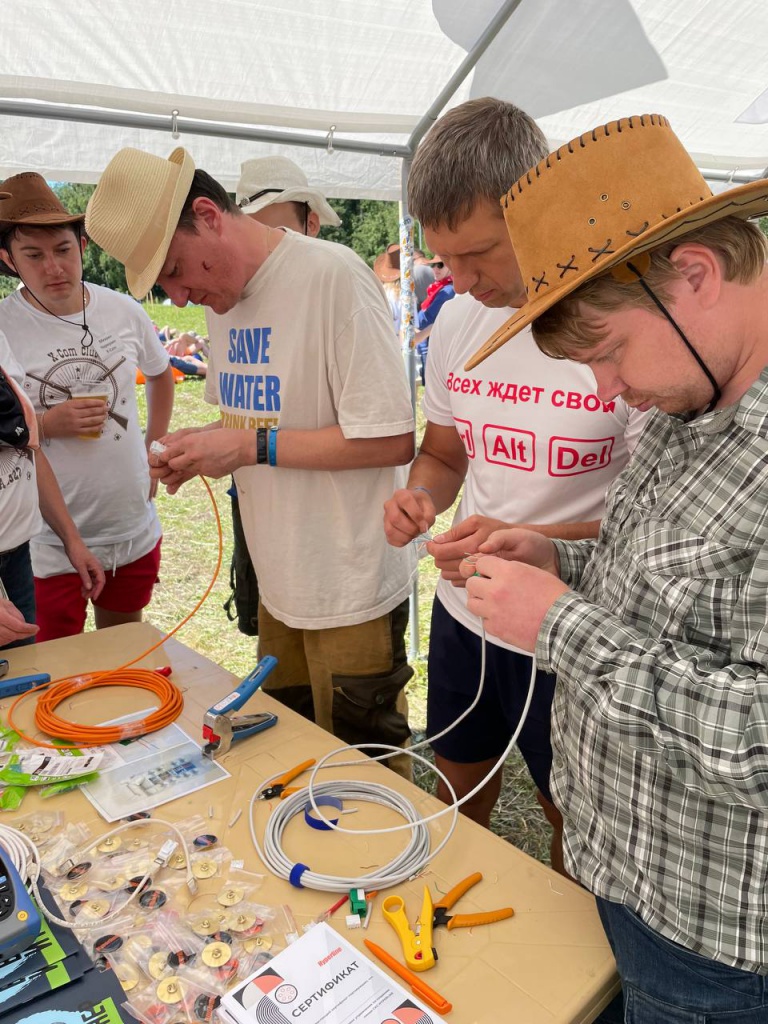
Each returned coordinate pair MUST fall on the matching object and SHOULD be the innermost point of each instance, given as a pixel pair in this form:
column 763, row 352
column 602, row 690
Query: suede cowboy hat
column 604, row 199
column 27, row 199
column 135, row 210
column 276, row 179
column 386, row 266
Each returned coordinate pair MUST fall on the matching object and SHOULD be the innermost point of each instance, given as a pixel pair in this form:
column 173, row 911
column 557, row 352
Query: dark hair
column 7, row 236
column 203, row 185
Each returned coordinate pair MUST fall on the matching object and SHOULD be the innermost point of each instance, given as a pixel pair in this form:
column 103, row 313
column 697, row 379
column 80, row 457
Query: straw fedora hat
column 27, row 199
column 135, row 209
column 603, row 199
column 386, row 266
column 276, row 179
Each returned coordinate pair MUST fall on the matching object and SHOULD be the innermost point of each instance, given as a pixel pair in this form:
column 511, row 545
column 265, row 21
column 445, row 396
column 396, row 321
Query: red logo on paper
column 569, row 456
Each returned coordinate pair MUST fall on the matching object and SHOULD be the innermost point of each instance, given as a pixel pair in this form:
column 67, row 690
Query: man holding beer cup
column 80, row 346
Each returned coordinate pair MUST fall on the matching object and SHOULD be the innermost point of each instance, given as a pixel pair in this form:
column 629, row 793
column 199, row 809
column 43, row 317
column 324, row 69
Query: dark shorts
column 62, row 609
column 454, row 676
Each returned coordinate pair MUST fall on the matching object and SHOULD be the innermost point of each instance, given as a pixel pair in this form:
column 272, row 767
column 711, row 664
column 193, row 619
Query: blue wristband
column 272, row 446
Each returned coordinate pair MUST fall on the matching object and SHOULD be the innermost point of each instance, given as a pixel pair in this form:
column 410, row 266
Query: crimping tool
column 220, row 730
column 418, row 950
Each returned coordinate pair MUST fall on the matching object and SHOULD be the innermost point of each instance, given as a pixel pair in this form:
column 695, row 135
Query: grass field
column 189, row 556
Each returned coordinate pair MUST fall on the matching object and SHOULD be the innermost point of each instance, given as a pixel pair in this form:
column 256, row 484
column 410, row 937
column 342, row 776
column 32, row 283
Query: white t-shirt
column 105, row 482
column 311, row 345
column 542, row 447
column 19, row 510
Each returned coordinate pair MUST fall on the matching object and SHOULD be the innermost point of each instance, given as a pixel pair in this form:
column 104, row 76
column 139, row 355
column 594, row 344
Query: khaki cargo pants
column 349, row 680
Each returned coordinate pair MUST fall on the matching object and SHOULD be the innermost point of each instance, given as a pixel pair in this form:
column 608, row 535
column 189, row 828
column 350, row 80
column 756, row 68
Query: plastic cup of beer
column 90, row 390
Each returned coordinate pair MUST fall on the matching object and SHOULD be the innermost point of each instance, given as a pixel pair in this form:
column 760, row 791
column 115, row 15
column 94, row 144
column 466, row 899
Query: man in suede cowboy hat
column 656, row 631
column 315, row 421
column 80, row 346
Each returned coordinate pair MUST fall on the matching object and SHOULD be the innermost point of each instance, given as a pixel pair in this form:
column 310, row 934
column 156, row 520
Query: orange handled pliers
column 441, row 915
column 277, row 786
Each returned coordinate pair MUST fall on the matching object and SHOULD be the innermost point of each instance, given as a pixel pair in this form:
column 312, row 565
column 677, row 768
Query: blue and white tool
column 11, row 687
column 19, row 919
column 220, row 730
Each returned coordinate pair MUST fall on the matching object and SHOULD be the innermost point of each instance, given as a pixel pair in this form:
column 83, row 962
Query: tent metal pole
column 406, row 273
column 494, row 26
column 189, row 126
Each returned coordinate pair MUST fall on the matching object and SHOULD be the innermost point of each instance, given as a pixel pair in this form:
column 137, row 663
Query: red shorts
column 61, row 607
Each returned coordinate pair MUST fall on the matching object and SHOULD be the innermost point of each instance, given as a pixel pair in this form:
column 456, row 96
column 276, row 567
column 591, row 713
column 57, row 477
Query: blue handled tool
column 220, row 730
column 20, row 684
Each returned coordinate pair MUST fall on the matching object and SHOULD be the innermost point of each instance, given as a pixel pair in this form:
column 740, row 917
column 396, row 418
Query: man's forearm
column 159, row 405
column 442, row 481
column 567, row 531
column 328, row 449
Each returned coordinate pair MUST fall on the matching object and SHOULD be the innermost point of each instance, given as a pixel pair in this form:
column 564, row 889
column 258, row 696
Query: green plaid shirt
column 660, row 720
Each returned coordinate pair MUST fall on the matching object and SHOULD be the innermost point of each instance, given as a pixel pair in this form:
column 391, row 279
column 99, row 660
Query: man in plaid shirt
column 657, row 631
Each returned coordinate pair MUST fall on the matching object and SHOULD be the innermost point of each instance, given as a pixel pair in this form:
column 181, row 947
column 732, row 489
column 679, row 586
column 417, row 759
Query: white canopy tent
column 347, row 88
column 356, row 83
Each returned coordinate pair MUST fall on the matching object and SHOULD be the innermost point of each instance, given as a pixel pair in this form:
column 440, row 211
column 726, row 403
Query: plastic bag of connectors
column 172, row 999
column 213, row 863
column 64, row 853
column 45, row 768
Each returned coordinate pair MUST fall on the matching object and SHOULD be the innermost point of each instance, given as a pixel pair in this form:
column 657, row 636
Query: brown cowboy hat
column 601, row 200
column 27, row 199
column 386, row 266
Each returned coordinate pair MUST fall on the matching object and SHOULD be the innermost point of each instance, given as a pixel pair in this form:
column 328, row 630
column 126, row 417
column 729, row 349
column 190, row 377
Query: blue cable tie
column 295, row 876
column 318, row 823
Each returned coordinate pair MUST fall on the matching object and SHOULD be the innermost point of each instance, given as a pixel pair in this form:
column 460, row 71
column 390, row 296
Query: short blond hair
column 741, row 247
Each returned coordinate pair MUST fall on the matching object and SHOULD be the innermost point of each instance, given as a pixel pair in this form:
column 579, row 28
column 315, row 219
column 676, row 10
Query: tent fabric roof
column 372, row 69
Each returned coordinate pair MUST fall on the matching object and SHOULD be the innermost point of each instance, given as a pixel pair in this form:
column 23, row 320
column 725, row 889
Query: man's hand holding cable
column 210, row 451
column 409, row 512
column 518, row 583
column 449, row 549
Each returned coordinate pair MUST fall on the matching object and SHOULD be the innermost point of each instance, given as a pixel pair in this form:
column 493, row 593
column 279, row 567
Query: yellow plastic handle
column 418, row 954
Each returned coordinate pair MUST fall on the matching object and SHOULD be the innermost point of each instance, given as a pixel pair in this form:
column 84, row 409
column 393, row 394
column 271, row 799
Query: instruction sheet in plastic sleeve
column 149, row 771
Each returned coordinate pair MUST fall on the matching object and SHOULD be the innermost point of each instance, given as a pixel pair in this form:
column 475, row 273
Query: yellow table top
column 549, row 964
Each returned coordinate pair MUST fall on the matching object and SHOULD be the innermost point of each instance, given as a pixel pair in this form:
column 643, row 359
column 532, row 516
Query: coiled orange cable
column 59, row 690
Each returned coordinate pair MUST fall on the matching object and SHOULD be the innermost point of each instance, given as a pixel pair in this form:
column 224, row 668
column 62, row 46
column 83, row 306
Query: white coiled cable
column 417, row 854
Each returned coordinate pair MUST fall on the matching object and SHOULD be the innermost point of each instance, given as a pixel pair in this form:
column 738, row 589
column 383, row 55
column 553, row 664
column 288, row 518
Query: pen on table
column 418, row 987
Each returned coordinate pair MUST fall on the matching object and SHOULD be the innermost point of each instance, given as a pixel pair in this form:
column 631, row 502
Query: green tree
column 368, row 226
column 98, row 266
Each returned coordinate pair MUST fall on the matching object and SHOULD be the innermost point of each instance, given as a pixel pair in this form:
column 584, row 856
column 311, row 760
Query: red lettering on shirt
column 569, row 456
column 505, row 446
column 464, row 428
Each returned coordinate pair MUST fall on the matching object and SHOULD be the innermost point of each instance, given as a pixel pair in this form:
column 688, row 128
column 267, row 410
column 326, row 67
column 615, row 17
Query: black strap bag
column 14, row 432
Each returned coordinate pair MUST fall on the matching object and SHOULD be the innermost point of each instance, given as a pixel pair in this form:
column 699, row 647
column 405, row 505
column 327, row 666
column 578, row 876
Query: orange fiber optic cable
column 171, row 700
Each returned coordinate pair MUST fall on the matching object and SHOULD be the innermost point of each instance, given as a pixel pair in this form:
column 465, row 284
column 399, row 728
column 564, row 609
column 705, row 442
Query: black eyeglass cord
column 716, row 393
column 87, row 333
